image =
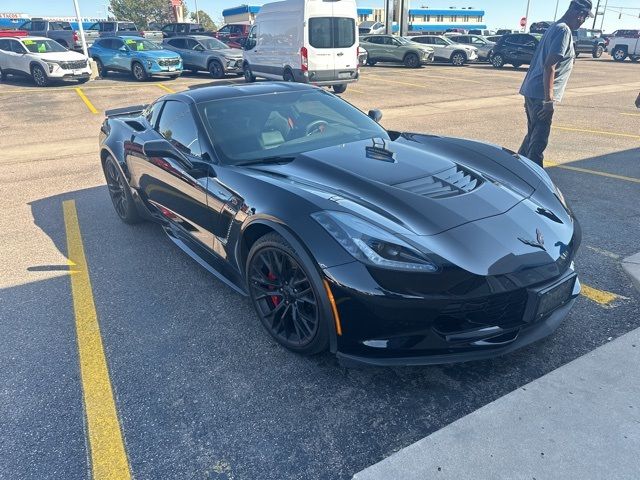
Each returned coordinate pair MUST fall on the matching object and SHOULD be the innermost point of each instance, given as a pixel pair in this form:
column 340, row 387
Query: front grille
column 449, row 183
column 75, row 65
column 169, row 62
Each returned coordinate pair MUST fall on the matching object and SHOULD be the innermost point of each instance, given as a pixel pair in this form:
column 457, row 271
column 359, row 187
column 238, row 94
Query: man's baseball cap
column 583, row 5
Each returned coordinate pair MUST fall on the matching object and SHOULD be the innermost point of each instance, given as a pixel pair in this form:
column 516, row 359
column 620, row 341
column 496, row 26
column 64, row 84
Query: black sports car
column 384, row 247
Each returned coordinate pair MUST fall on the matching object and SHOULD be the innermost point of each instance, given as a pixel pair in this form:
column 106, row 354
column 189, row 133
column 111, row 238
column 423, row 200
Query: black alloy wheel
column 412, row 60
column 138, row 72
column 597, row 53
column 39, row 76
column 285, row 297
column 497, row 60
column 120, row 193
column 216, row 70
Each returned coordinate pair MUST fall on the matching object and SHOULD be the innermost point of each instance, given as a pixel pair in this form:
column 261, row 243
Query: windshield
column 141, row 45
column 283, row 124
column 43, row 46
column 213, row 44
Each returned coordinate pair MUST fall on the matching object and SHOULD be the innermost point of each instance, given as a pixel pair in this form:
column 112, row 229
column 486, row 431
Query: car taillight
column 75, row 36
column 304, row 60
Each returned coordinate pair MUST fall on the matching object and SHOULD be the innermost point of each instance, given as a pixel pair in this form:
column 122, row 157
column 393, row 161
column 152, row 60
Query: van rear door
column 346, row 48
column 333, row 49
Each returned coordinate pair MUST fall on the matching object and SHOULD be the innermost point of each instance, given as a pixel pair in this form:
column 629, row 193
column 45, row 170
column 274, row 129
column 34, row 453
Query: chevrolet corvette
column 383, row 247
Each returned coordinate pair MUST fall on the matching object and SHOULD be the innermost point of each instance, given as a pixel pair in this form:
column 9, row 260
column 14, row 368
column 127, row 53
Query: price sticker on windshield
column 28, row 42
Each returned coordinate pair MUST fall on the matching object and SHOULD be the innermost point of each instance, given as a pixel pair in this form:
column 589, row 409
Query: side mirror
column 163, row 149
column 123, row 48
column 375, row 115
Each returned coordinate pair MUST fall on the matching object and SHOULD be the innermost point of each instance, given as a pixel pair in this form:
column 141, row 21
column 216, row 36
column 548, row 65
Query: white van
column 309, row 41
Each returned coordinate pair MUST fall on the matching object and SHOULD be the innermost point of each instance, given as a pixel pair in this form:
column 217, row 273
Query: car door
column 375, row 48
column 20, row 59
column 440, row 49
column 511, row 48
column 528, row 48
column 6, row 55
column 195, row 53
column 121, row 54
column 178, row 189
column 179, row 45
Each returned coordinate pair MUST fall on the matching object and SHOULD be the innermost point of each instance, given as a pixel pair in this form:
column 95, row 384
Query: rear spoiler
column 119, row 112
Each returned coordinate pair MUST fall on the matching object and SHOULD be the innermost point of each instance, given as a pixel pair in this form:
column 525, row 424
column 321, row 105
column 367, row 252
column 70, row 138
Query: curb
column 631, row 265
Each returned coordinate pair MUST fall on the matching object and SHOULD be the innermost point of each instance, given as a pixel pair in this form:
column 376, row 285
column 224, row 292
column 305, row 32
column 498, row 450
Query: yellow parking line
column 108, row 455
column 598, row 132
column 86, row 101
column 593, row 172
column 165, row 88
column 631, row 114
column 599, row 296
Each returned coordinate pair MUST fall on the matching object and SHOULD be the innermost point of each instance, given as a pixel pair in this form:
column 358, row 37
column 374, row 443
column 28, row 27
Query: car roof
column 127, row 37
column 195, row 37
column 31, row 38
column 219, row 92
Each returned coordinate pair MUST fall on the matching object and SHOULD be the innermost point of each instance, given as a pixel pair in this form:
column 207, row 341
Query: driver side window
column 178, row 127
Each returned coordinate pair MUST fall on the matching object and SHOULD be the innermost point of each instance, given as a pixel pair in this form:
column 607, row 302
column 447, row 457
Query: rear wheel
column 287, row 295
column 138, row 72
column 619, row 54
column 459, row 59
column 39, row 76
column 119, row 192
column 597, row 53
column 497, row 60
column 411, row 60
column 248, row 74
column 288, row 76
column 216, row 70
column 341, row 88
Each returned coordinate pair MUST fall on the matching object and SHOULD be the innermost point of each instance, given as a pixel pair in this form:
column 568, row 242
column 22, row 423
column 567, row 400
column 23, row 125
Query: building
column 420, row 19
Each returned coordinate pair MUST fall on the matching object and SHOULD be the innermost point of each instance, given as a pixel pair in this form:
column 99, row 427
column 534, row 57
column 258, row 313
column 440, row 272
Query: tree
column 142, row 12
column 205, row 20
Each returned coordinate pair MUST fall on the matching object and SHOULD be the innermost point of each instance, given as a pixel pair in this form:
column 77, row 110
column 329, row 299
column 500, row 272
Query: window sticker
column 28, row 42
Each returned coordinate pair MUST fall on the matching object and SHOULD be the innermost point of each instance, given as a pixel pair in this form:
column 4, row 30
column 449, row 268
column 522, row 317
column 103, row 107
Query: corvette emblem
column 537, row 243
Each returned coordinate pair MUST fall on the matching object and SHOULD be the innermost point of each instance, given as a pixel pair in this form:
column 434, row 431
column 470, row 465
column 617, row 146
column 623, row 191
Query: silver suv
column 200, row 52
column 447, row 50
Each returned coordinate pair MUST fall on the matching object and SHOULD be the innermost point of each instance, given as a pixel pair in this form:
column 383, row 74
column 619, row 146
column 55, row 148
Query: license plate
column 77, row 72
column 171, row 69
column 344, row 75
column 554, row 297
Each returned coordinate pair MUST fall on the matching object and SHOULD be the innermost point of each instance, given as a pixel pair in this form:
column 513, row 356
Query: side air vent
column 448, row 183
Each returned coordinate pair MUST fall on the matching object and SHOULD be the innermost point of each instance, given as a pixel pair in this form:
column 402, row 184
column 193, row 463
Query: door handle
column 340, row 54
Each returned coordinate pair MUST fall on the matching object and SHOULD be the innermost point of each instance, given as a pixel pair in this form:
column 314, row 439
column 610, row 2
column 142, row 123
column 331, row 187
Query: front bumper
column 69, row 74
column 163, row 70
column 328, row 77
column 384, row 328
column 233, row 66
column 429, row 58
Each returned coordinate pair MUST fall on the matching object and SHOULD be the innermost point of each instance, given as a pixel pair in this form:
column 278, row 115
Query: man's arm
column 548, row 78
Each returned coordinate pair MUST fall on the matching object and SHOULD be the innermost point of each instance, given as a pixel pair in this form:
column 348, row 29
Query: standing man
column 547, row 78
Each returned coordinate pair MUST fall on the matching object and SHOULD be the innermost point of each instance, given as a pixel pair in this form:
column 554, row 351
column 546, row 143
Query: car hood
column 424, row 192
column 228, row 52
column 65, row 56
column 156, row 54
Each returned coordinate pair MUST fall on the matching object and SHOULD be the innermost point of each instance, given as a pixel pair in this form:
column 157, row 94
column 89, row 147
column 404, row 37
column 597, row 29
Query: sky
column 499, row 13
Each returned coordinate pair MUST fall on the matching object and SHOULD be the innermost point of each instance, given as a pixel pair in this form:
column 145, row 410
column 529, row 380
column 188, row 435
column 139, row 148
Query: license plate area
column 342, row 75
column 554, row 297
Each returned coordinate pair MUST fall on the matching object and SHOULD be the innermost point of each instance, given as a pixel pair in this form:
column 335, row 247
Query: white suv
column 447, row 50
column 625, row 43
column 42, row 59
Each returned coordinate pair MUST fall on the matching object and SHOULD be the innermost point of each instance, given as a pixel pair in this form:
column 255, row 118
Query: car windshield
column 141, row 45
column 43, row 46
column 283, row 124
column 213, row 44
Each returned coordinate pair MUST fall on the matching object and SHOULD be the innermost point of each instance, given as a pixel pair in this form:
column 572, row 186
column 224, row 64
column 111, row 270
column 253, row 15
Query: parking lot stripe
column 598, row 132
column 86, row 101
column 631, row 114
column 108, row 455
column 593, row 172
column 599, row 296
column 165, row 88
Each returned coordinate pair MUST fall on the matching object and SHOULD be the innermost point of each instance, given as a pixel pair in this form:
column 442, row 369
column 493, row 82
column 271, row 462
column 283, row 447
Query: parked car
column 363, row 55
column 483, row 32
column 113, row 28
column 41, row 58
column 384, row 248
column 625, row 43
column 483, row 45
column 505, row 31
column 516, row 49
column 135, row 55
column 61, row 32
column 493, row 38
column 588, row 41
column 390, row 48
column 183, row 28
column 200, row 52
column 447, row 50
column 540, row 27
column 304, row 41
column 369, row 27
column 233, row 34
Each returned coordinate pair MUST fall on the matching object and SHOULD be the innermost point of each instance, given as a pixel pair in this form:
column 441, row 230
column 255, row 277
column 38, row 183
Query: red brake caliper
column 274, row 298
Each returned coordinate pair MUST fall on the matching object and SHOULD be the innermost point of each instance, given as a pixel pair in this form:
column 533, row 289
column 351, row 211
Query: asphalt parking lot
column 199, row 389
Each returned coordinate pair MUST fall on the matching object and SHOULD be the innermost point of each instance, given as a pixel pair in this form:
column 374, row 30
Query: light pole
column 555, row 15
column 604, row 12
column 81, row 28
column 197, row 12
column 526, row 16
column 595, row 17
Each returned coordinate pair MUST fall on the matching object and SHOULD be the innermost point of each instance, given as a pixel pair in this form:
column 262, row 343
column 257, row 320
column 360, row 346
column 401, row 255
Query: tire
column 341, row 88
column 619, row 54
column 458, row 59
column 288, row 76
column 248, row 74
column 411, row 60
column 39, row 76
column 3, row 75
column 516, row 65
column 216, row 70
column 597, row 53
column 287, row 295
column 497, row 60
column 102, row 71
column 371, row 63
column 138, row 72
column 120, row 192
column 635, row 59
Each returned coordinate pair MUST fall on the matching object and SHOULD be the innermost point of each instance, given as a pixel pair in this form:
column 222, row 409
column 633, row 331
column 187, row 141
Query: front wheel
column 619, row 54
column 458, row 59
column 102, row 71
column 286, row 294
column 497, row 60
column 39, row 76
column 248, row 74
column 411, row 60
column 288, row 76
column 119, row 192
column 341, row 88
column 597, row 53
column 138, row 72
column 216, row 70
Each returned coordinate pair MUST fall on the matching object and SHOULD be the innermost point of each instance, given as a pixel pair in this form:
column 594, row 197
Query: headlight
column 149, row 63
column 52, row 66
column 373, row 245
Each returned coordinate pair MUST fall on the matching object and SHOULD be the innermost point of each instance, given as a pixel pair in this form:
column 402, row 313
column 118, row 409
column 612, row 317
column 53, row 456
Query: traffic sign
column 523, row 22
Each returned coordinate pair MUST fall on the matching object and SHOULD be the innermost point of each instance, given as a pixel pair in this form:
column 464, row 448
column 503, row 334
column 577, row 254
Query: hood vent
column 449, row 183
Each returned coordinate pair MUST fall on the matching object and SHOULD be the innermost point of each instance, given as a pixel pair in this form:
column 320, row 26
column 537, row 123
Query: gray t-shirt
column 556, row 41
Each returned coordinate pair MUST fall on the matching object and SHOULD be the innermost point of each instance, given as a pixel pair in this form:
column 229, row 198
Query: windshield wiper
column 265, row 160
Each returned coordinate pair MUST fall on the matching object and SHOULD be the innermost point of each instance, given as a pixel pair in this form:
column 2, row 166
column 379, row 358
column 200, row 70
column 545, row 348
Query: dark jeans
column 537, row 138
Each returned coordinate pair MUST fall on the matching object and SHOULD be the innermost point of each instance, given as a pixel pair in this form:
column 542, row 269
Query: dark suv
column 588, row 41
column 516, row 49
